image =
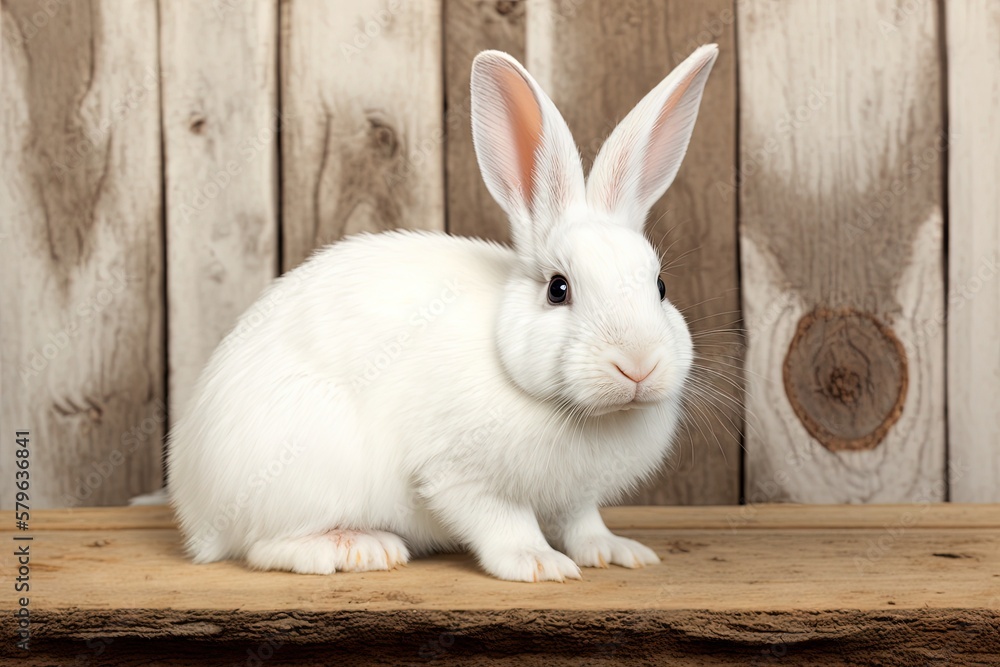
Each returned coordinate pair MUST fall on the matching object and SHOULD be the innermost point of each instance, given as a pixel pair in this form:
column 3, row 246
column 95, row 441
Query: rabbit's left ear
column 639, row 160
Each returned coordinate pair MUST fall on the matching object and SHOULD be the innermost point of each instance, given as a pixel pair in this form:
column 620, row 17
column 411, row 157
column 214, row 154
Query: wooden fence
column 833, row 231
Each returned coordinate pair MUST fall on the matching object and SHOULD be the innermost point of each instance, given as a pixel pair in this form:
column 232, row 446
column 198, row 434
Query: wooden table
column 772, row 584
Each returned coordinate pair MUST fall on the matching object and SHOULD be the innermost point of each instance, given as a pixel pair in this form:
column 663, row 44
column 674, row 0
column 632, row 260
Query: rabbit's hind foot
column 336, row 550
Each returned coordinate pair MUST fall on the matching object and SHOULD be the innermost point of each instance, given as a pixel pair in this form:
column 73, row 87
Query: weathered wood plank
column 712, row 561
column 861, row 593
column 841, row 242
column 220, row 124
column 471, row 27
column 597, row 60
column 786, row 516
column 908, row 570
column 81, row 311
column 539, row 638
column 974, row 250
column 362, row 142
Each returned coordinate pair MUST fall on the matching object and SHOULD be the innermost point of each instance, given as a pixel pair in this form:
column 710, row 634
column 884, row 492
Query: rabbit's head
column 583, row 321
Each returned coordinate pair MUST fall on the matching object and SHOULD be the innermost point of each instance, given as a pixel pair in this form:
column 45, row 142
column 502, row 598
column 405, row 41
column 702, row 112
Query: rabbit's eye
column 558, row 290
column 663, row 288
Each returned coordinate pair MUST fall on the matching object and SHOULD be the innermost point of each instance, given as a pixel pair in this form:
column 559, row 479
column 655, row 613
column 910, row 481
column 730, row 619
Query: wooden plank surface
column 973, row 329
column 362, row 94
column 81, row 309
column 707, row 570
column 859, row 593
column 841, row 242
column 471, row 27
column 597, row 60
column 220, row 123
column 782, row 516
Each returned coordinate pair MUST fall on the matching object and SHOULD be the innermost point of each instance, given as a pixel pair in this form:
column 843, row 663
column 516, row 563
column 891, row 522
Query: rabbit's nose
column 636, row 373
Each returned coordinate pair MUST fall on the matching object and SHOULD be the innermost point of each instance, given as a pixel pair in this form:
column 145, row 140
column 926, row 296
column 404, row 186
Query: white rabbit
column 409, row 392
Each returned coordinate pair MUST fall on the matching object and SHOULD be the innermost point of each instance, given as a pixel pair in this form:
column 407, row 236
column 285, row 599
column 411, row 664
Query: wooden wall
column 842, row 225
column 973, row 323
column 82, row 311
column 832, row 237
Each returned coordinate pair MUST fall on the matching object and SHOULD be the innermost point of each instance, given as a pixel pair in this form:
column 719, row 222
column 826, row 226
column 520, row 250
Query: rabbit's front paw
column 531, row 564
column 604, row 550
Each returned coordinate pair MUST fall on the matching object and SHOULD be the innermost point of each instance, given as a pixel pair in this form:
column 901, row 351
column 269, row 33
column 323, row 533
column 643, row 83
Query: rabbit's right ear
column 525, row 150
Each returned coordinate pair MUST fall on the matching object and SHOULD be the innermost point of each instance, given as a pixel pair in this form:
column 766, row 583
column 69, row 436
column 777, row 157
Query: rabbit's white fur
column 408, row 392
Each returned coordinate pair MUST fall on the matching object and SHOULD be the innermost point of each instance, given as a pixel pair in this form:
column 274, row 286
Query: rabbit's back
column 296, row 419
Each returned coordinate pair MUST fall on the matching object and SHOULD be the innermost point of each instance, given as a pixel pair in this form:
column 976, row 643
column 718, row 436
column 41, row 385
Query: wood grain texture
column 867, row 588
column 81, row 309
column 954, row 637
column 974, row 250
column 781, row 516
column 361, row 91
column 841, row 240
column 471, row 27
column 597, row 60
column 220, row 124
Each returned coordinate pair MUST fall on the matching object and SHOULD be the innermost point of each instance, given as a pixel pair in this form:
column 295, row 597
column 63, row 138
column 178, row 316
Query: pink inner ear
column 526, row 126
column 661, row 136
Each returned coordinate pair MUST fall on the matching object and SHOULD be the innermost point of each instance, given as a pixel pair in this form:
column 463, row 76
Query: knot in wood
column 844, row 385
column 196, row 124
column 505, row 7
column 845, row 375
column 382, row 137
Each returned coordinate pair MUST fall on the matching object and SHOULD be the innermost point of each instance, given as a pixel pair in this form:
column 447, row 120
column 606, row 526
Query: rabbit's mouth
column 643, row 395
column 634, row 404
